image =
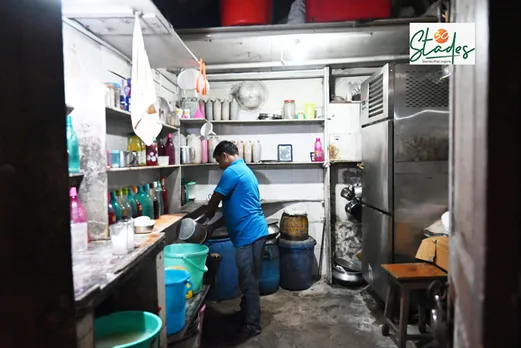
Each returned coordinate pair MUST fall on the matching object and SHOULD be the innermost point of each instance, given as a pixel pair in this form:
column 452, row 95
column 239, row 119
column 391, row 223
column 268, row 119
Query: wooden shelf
column 197, row 204
column 199, row 121
column 131, row 169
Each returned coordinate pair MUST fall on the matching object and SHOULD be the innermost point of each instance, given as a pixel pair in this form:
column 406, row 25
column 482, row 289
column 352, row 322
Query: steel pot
column 273, row 229
column 353, row 278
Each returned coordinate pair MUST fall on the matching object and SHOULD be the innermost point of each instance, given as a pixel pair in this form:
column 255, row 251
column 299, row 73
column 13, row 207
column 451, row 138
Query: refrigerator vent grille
column 426, row 89
column 376, row 97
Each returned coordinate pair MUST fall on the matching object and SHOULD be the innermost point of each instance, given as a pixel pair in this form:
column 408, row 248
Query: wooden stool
column 410, row 277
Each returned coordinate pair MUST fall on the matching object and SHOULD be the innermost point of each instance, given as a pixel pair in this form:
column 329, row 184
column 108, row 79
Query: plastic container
column 248, row 152
column 296, row 263
column 209, row 110
column 309, row 111
column 212, row 144
column 257, row 152
column 226, row 284
column 319, row 151
column 234, row 109
column 127, row 329
column 290, row 111
column 240, row 12
column 191, row 257
column 225, row 110
column 346, row 10
column 175, row 295
column 204, row 151
column 270, row 274
column 217, row 110
column 240, row 147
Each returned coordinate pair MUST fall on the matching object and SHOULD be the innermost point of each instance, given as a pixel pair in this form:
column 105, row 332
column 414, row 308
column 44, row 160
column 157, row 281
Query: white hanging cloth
column 144, row 112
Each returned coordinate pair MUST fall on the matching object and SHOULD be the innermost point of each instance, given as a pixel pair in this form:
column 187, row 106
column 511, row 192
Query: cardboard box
column 435, row 250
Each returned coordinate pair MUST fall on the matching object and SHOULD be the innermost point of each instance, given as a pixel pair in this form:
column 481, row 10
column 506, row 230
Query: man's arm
column 213, row 204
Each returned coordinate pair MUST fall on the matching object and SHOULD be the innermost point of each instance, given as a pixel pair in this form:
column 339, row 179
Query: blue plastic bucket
column 270, row 273
column 191, row 257
column 226, row 283
column 297, row 259
column 127, row 329
column 175, row 293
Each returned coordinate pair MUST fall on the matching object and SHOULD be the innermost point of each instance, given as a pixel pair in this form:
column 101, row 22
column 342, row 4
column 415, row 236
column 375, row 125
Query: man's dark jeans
column 249, row 263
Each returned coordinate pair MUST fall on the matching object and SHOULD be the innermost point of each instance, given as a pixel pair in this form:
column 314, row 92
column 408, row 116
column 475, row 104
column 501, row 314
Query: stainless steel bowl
column 353, row 278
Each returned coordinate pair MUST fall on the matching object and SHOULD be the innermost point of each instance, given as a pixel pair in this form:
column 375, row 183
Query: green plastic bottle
column 116, row 206
column 146, row 201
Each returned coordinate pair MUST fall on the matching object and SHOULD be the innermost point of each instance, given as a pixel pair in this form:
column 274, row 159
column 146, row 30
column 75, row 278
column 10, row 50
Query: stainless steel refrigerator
column 405, row 150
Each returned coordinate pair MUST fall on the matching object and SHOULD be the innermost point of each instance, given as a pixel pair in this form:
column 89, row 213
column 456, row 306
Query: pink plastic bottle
column 79, row 231
column 204, row 151
column 319, row 152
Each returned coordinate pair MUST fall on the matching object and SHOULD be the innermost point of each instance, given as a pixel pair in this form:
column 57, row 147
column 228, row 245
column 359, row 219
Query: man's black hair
column 225, row 147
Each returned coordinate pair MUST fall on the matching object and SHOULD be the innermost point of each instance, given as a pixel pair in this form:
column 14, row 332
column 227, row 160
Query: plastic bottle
column 248, row 147
column 240, row 147
column 170, row 149
column 79, row 227
column 152, row 154
column 212, row 144
column 234, row 109
column 209, row 110
column 225, row 110
column 257, row 152
column 73, row 147
column 319, row 152
column 132, row 201
column 217, row 110
column 204, row 151
column 115, row 205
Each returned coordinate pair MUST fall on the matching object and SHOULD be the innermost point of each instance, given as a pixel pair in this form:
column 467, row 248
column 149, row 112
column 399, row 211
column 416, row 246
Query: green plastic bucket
column 127, row 329
column 190, row 257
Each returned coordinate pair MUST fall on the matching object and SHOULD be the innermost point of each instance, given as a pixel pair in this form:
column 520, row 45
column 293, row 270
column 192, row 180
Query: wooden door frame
column 485, row 271
column 35, row 259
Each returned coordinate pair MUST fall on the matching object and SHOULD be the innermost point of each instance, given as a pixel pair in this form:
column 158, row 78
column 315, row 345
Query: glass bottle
column 159, row 193
column 73, row 147
column 164, row 195
column 160, row 148
column 116, row 206
column 135, row 189
column 111, row 211
column 134, row 146
column 123, row 207
column 152, row 154
column 155, row 201
column 126, row 203
column 132, row 201
column 144, row 198
column 143, row 153
column 170, row 150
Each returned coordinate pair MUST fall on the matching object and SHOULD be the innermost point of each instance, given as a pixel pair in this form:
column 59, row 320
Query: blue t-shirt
column 242, row 210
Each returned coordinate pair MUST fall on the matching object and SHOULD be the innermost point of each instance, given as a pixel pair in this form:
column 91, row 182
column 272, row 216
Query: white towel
column 144, row 112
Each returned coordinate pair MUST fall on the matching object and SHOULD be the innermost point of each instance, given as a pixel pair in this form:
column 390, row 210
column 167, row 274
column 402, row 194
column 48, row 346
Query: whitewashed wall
column 276, row 182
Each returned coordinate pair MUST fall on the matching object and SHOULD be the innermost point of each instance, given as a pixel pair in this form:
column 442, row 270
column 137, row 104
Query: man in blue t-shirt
column 238, row 190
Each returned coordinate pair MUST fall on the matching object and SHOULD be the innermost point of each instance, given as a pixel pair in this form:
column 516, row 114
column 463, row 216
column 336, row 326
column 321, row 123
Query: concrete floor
column 321, row 317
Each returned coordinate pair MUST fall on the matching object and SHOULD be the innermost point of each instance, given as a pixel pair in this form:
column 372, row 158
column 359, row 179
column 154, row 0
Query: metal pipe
column 316, row 62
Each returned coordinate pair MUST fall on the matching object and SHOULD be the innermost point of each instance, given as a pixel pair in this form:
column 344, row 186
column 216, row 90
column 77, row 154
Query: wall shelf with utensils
column 119, row 122
column 199, row 121
column 130, row 169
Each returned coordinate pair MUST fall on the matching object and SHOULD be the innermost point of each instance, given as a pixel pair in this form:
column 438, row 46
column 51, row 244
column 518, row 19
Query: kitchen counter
column 96, row 270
